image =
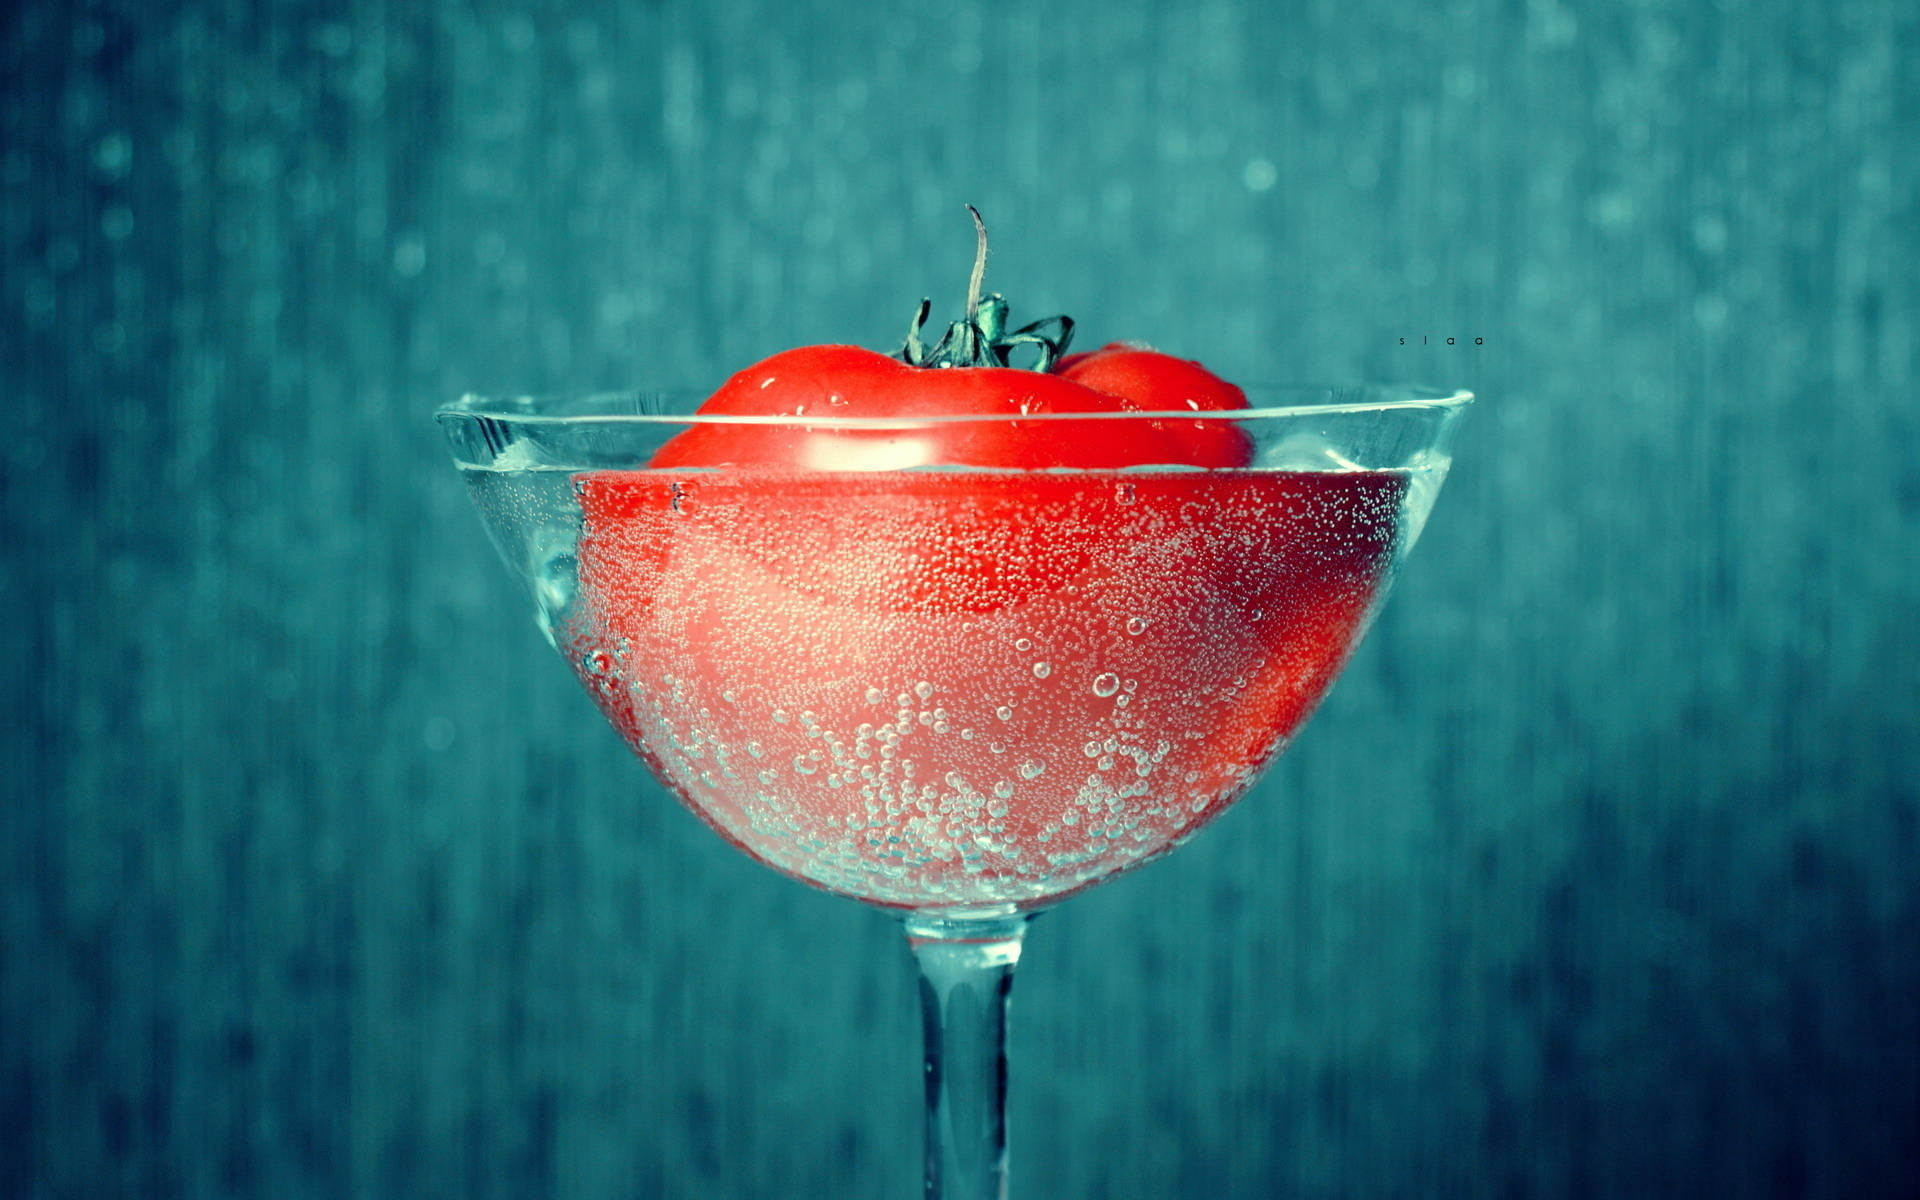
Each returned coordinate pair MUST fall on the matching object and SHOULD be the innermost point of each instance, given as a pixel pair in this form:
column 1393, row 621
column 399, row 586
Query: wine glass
column 957, row 693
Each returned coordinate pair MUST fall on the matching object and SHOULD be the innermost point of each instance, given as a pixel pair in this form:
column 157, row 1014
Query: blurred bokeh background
column 1596, row 877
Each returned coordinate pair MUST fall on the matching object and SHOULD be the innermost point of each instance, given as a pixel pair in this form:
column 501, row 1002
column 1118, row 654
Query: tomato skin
column 1157, row 382
column 1162, row 383
column 850, row 382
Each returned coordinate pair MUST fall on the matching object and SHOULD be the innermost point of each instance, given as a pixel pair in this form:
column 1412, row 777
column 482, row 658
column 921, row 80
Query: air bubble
column 1032, row 768
column 875, row 696
column 923, row 689
column 1042, row 669
column 1023, row 644
column 1136, row 625
column 1004, row 713
column 1004, row 790
column 1106, row 684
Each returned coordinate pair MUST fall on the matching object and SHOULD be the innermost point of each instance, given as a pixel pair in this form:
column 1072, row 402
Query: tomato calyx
column 981, row 338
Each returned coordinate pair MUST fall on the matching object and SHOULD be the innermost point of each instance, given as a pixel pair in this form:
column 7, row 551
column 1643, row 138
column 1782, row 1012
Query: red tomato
column 951, row 689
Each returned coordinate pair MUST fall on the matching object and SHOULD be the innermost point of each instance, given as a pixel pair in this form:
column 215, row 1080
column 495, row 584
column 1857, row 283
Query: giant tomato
column 1045, row 660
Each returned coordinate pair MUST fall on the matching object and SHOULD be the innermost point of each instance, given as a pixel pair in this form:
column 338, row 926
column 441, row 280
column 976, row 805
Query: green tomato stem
column 980, row 339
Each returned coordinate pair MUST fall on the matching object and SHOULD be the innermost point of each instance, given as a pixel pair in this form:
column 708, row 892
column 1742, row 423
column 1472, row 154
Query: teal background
column 1596, row 877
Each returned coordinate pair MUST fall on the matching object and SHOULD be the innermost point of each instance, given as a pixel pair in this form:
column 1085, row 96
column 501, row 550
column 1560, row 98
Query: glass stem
column 966, row 972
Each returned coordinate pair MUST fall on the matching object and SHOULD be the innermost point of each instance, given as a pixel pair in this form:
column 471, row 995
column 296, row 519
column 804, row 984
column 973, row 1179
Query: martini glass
column 957, row 694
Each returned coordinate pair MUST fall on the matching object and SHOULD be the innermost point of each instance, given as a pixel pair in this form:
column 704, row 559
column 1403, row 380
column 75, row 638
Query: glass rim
column 580, row 409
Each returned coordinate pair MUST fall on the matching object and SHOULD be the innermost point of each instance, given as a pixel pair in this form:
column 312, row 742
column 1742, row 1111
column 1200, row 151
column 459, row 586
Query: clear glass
column 955, row 691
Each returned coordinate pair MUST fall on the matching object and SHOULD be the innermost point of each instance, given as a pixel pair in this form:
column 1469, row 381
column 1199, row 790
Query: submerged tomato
column 959, row 689
column 956, row 688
